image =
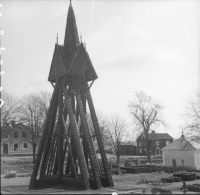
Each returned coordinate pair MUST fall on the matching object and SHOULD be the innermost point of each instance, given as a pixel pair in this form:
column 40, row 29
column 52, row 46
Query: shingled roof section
column 159, row 136
column 156, row 136
column 184, row 144
column 57, row 65
column 80, row 63
column 71, row 59
column 71, row 32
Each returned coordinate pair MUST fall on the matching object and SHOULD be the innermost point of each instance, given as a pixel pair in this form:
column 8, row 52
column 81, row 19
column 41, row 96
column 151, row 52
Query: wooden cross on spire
column 66, row 153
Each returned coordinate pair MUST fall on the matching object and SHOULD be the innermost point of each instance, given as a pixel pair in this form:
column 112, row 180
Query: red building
column 157, row 140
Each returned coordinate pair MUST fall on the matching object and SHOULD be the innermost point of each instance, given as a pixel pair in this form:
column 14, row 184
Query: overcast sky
column 151, row 46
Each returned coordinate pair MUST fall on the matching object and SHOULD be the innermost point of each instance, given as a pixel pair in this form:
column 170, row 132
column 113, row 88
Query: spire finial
column 85, row 44
column 57, row 38
column 182, row 134
column 81, row 37
column 70, row 2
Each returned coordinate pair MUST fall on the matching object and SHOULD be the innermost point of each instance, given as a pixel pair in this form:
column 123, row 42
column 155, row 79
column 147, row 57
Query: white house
column 185, row 150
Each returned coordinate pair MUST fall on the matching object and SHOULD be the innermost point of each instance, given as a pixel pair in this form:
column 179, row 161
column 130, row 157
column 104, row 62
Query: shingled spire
column 71, row 32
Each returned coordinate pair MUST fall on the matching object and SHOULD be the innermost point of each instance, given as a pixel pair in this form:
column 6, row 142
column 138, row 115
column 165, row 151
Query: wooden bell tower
column 66, row 152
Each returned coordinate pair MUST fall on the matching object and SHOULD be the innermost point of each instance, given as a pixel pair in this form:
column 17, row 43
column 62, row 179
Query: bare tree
column 44, row 98
column 191, row 115
column 10, row 109
column 146, row 113
column 33, row 114
column 103, row 125
column 5, row 132
column 117, row 131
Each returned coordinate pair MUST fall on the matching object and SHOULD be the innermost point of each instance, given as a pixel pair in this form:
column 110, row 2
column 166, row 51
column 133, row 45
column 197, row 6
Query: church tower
column 66, row 153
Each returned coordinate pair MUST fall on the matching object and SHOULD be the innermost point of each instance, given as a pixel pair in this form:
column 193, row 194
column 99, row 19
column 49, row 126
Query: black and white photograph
column 100, row 96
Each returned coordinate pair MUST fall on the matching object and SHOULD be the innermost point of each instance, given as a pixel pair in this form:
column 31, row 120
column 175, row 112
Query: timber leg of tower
column 89, row 143
column 60, row 134
column 107, row 181
column 50, row 114
column 76, row 138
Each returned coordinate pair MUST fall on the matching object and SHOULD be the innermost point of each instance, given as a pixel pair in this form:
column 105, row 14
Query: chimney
column 7, row 124
column 153, row 131
column 12, row 123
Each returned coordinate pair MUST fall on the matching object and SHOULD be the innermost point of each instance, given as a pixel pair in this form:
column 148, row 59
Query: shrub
column 160, row 191
column 24, row 175
column 198, row 177
column 10, row 174
column 177, row 179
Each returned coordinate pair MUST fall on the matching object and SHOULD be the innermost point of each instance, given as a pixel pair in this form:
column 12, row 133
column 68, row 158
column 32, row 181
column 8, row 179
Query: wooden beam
column 85, row 150
column 70, row 151
column 98, row 135
column 52, row 107
column 48, row 140
column 55, row 168
column 52, row 84
column 91, row 84
column 51, row 151
column 76, row 139
column 53, row 155
column 87, row 136
column 68, row 163
column 60, row 133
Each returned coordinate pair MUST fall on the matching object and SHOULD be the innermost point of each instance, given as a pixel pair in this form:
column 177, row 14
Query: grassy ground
column 125, row 183
column 122, row 184
column 7, row 158
column 24, row 168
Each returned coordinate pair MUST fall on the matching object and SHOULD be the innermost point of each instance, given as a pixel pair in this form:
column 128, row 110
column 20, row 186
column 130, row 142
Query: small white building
column 184, row 149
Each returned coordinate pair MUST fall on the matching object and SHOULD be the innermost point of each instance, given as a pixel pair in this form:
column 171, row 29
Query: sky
column 151, row 46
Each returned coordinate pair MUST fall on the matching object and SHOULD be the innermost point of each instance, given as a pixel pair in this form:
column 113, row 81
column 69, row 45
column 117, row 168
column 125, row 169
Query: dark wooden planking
column 70, row 151
column 55, row 167
column 76, row 138
column 51, row 109
column 50, row 152
column 53, row 155
column 57, row 66
column 98, row 135
column 82, row 64
column 60, row 133
column 90, row 146
column 71, row 31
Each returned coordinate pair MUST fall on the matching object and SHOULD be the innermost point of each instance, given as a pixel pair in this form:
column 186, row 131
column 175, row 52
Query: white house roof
column 184, row 143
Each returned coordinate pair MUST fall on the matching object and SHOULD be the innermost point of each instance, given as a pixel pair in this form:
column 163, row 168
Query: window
column 157, row 150
column 167, row 142
column 15, row 134
column 24, row 135
column 25, row 146
column 6, row 136
column 15, row 147
column 140, row 143
column 157, row 143
column 20, row 127
column 140, row 150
